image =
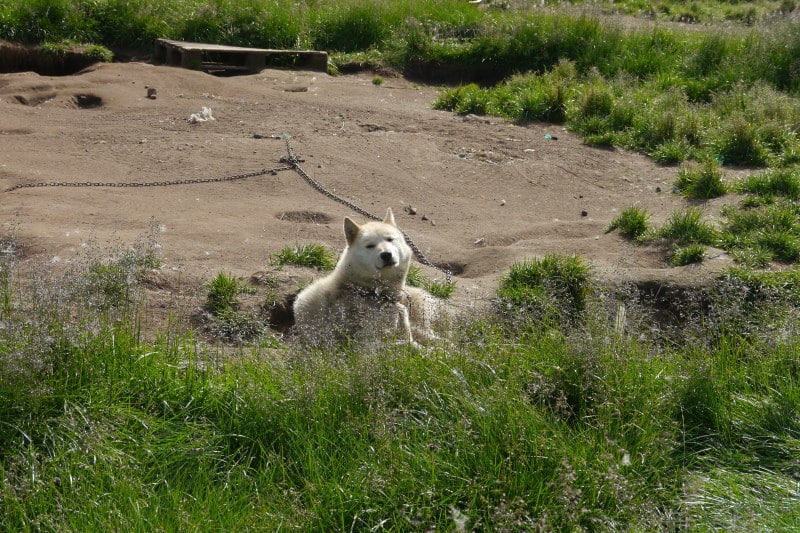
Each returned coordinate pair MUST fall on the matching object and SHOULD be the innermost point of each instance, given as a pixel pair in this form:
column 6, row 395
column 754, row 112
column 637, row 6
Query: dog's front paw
column 414, row 345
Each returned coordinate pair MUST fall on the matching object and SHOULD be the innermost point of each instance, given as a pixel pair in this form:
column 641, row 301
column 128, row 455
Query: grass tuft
column 632, row 222
column 764, row 232
column 223, row 293
column 225, row 320
column 701, row 183
column 309, row 255
column 554, row 287
column 687, row 227
column 687, row 255
column 439, row 289
column 783, row 182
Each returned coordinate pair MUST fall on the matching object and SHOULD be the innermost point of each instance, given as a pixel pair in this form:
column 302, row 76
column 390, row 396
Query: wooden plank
column 210, row 57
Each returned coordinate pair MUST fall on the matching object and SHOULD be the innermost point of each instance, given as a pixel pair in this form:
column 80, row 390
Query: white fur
column 365, row 299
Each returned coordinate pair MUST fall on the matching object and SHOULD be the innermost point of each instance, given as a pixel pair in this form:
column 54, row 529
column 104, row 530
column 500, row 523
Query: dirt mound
column 478, row 193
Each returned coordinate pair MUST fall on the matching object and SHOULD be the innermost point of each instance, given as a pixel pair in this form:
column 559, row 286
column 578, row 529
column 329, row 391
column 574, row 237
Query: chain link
column 291, row 161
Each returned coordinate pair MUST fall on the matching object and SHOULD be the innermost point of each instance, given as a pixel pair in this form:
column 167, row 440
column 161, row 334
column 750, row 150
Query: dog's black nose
column 386, row 257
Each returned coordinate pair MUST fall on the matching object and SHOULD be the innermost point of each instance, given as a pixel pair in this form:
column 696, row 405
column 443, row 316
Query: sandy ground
column 485, row 192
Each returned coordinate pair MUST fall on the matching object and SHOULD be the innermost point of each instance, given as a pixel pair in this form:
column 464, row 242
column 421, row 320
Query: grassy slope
column 514, row 426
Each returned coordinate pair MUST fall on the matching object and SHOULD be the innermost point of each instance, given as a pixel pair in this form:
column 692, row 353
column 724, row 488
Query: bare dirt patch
column 474, row 193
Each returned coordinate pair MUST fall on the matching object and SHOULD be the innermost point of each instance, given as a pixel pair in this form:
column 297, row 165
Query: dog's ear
column 389, row 217
column 351, row 229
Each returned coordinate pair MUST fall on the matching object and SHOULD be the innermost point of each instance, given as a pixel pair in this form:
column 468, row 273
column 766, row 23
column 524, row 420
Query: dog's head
column 376, row 251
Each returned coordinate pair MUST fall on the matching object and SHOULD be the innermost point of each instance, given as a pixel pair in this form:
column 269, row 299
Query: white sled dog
column 365, row 299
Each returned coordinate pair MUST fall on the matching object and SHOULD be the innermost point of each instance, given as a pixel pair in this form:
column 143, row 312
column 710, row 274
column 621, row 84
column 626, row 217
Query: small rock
column 259, row 136
column 424, row 217
column 411, row 210
column 584, row 213
column 658, row 189
column 152, row 93
column 502, row 202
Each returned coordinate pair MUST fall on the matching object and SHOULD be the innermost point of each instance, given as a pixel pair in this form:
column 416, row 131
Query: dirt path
column 486, row 192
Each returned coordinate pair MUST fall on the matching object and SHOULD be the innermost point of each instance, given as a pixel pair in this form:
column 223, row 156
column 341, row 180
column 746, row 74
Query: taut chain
column 292, row 162
column 261, row 172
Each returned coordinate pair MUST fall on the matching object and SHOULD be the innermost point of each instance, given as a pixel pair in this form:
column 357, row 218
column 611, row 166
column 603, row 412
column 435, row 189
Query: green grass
column 223, row 293
column 766, row 225
column 345, row 26
column 632, row 222
column 702, row 182
column 687, row 227
column 225, row 320
column 309, row 255
column 738, row 125
column 6, row 286
column 552, row 288
column 687, row 255
column 574, row 427
column 763, row 228
column 439, row 289
column 94, row 51
column 779, row 182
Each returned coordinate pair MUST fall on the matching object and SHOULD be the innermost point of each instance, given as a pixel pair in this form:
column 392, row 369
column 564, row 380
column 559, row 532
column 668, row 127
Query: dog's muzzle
column 388, row 259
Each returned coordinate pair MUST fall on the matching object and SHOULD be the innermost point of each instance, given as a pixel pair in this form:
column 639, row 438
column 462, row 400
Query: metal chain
column 292, row 160
column 261, row 172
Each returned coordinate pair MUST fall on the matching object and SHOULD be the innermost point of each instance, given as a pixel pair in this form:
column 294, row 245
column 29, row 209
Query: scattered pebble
column 411, row 210
column 584, row 213
column 424, row 217
column 502, row 202
column 151, row 93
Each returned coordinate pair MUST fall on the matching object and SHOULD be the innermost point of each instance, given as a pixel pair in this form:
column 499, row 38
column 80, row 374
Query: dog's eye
column 389, row 239
column 370, row 246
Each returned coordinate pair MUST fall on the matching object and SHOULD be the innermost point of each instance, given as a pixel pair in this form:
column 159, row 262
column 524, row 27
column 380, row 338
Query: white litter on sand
column 203, row 116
